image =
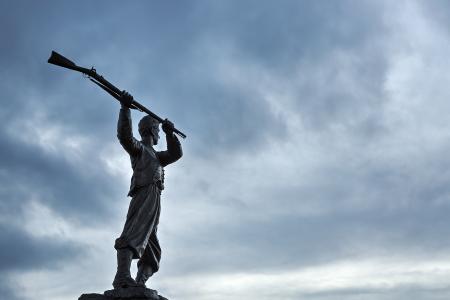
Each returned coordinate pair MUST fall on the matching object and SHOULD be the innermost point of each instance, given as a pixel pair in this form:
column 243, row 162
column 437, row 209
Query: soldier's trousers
column 139, row 232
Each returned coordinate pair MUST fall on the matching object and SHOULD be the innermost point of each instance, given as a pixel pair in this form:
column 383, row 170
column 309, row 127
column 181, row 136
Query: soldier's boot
column 123, row 277
column 144, row 273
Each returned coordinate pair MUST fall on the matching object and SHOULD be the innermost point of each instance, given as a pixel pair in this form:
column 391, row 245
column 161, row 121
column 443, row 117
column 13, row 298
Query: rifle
column 59, row 60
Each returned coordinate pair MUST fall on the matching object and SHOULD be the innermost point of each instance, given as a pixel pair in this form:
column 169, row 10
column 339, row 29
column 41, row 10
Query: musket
column 59, row 60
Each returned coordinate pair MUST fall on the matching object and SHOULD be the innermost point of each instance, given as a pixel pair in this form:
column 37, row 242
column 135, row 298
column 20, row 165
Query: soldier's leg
column 148, row 264
column 125, row 252
column 123, row 277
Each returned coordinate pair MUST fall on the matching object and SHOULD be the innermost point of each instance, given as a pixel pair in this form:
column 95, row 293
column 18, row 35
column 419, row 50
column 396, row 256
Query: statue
column 138, row 239
column 139, row 236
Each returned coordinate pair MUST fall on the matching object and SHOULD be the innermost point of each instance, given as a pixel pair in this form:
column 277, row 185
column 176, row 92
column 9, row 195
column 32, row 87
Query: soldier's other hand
column 167, row 126
column 126, row 99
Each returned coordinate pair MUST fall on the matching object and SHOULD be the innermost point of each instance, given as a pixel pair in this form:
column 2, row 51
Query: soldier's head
column 149, row 127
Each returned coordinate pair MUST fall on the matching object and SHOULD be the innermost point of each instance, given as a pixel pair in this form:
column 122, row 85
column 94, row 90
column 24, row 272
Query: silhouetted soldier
column 138, row 239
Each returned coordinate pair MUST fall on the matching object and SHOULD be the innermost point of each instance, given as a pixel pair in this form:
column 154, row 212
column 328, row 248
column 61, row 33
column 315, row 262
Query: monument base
column 130, row 293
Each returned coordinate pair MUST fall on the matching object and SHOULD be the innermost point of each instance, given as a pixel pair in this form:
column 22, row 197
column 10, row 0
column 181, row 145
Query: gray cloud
column 404, row 292
column 27, row 170
column 24, row 252
column 6, row 289
column 219, row 70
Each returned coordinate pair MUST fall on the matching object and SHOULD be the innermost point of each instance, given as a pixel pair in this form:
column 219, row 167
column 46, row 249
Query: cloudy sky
column 316, row 164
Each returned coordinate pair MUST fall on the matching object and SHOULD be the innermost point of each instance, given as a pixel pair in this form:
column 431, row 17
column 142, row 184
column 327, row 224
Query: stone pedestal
column 131, row 293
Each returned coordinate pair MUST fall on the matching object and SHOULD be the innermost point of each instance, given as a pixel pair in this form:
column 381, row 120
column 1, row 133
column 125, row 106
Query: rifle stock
column 61, row 61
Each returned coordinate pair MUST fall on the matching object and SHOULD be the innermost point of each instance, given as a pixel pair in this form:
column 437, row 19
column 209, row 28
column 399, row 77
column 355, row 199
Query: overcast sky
column 316, row 164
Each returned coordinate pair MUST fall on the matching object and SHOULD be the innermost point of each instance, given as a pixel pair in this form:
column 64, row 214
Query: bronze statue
column 138, row 239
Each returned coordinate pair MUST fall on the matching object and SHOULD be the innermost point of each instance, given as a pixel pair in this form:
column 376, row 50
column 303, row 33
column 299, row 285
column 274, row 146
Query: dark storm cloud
column 371, row 208
column 260, row 35
column 278, row 35
column 342, row 65
column 28, row 171
column 331, row 93
column 171, row 57
column 437, row 12
column 221, row 115
column 163, row 56
column 292, row 242
column 6, row 288
column 22, row 251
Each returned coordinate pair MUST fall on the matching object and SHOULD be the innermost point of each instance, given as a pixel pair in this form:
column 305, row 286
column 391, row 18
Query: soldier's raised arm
column 174, row 151
column 124, row 127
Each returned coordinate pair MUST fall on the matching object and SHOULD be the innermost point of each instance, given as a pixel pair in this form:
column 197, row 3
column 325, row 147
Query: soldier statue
column 138, row 239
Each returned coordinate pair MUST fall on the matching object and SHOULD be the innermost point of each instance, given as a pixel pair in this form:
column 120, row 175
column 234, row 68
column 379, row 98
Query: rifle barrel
column 59, row 60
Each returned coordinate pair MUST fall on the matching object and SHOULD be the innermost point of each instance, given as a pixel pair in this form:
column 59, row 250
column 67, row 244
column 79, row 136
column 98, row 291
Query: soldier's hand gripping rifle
column 59, row 60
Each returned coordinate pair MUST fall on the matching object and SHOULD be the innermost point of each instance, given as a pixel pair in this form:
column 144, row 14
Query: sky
column 315, row 166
